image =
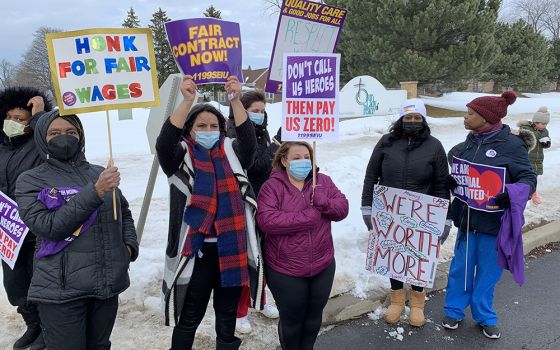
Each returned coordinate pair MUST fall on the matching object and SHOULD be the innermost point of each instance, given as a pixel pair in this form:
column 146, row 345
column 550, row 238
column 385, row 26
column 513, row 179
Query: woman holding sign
column 83, row 256
column 474, row 270
column 409, row 158
column 254, row 102
column 296, row 218
column 212, row 245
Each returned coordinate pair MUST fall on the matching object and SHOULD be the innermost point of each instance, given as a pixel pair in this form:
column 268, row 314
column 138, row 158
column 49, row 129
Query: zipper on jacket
column 463, row 210
column 63, row 270
column 405, row 177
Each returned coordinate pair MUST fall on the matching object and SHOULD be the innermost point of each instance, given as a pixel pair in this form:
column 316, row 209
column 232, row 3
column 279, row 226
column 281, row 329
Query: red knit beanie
column 493, row 108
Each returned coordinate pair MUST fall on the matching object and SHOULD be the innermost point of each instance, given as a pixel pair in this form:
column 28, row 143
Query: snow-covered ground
column 139, row 321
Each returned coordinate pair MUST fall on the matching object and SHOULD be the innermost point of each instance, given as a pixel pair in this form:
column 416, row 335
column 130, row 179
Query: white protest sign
column 103, row 69
column 404, row 242
column 310, row 97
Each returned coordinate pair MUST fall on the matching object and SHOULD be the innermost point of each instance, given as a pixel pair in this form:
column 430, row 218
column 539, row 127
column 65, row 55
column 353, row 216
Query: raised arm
column 245, row 145
column 168, row 147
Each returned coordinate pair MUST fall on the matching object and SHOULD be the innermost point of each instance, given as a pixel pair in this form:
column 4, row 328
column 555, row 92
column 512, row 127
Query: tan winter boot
column 393, row 313
column 416, row 302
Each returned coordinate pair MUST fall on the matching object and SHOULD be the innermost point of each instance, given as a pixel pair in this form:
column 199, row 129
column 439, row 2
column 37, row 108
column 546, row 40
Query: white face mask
column 13, row 129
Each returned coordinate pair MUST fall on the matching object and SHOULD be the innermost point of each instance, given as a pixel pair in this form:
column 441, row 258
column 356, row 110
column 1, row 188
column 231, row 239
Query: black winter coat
column 422, row 169
column 95, row 264
column 18, row 155
column 260, row 171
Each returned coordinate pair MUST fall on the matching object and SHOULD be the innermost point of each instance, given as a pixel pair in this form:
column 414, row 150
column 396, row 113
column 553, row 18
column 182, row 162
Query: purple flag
column 54, row 198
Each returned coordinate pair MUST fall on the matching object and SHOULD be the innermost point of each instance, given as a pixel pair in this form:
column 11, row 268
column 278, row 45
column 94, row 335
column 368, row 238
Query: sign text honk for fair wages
column 110, row 65
column 206, row 45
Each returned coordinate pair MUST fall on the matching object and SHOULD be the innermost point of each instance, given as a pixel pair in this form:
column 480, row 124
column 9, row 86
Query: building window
column 269, row 96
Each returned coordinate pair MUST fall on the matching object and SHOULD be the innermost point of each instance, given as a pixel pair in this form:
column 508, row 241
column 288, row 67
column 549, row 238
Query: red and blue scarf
column 216, row 209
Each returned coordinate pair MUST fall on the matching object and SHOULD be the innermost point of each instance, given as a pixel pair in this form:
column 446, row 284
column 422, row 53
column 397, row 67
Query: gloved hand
column 450, row 183
column 446, row 231
column 366, row 216
column 502, row 200
column 278, row 137
column 545, row 142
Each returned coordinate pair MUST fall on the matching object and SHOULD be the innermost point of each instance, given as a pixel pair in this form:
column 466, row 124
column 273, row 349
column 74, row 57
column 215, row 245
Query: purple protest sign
column 303, row 26
column 12, row 230
column 209, row 49
column 311, row 77
column 479, row 184
column 310, row 97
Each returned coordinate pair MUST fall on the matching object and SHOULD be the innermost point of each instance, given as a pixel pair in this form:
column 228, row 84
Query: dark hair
column 204, row 107
column 396, row 132
column 251, row 97
column 18, row 97
column 282, row 152
column 247, row 99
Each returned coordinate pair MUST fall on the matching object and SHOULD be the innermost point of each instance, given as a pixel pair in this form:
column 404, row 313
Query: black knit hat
column 18, row 97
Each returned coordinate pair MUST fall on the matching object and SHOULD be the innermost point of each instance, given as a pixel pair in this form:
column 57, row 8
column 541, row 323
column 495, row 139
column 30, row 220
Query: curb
column 345, row 307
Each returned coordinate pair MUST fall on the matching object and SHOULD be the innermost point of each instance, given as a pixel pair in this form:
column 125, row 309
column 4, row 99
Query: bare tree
column 537, row 13
column 34, row 69
column 551, row 20
column 7, row 74
column 273, row 6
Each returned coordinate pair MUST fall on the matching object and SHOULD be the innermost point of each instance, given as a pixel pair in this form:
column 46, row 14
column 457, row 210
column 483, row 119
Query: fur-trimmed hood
column 526, row 135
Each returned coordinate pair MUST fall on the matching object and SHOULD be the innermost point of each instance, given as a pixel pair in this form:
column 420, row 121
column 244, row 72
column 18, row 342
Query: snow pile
column 377, row 313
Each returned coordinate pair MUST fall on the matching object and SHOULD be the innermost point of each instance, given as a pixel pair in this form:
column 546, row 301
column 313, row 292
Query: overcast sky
column 21, row 18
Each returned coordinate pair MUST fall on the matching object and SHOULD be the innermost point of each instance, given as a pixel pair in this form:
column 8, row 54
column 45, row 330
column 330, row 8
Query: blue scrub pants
column 483, row 273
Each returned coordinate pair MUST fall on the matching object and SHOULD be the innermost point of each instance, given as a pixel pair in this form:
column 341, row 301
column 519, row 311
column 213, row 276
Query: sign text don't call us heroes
column 103, row 69
column 12, row 230
column 303, row 26
column 404, row 243
column 310, row 98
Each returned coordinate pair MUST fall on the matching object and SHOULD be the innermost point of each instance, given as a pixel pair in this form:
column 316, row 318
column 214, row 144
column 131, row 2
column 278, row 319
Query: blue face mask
column 207, row 139
column 257, row 118
column 300, row 168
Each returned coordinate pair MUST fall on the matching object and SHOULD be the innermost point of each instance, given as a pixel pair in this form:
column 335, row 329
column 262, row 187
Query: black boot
column 220, row 345
column 33, row 331
column 182, row 339
column 39, row 343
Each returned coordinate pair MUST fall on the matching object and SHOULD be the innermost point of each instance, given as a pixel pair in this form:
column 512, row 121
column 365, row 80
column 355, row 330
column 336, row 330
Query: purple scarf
column 54, row 198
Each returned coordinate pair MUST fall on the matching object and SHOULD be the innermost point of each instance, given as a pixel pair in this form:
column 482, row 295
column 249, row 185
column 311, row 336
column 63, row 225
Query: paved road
column 529, row 319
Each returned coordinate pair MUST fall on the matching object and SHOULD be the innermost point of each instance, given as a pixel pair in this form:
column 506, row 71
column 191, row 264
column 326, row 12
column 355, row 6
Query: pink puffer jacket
column 298, row 239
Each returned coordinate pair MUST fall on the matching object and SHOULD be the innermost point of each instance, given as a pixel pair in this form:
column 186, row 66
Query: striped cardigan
column 178, row 269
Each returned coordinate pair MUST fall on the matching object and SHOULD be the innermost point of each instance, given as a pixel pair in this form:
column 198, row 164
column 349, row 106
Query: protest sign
column 12, row 230
column 209, row 49
column 310, row 98
column 303, row 26
column 103, row 69
column 404, row 244
column 479, row 184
